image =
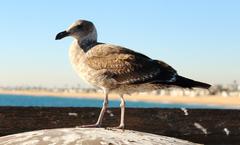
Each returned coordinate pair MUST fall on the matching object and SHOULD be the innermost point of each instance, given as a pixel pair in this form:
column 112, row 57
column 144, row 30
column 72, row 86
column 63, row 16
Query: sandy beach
column 205, row 100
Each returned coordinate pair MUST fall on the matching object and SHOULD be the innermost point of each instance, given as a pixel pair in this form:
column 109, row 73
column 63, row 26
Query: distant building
column 235, row 86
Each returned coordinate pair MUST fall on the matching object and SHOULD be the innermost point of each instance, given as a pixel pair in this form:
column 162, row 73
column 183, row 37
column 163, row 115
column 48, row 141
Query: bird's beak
column 62, row 35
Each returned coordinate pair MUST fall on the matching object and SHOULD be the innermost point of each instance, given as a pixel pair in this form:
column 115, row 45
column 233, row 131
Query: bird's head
column 81, row 30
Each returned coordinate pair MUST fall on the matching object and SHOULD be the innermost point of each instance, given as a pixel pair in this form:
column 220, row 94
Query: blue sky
column 200, row 38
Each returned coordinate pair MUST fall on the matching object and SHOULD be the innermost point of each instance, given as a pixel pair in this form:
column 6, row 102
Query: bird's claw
column 116, row 128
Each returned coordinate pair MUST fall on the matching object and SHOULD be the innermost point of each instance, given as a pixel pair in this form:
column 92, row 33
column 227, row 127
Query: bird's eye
column 79, row 26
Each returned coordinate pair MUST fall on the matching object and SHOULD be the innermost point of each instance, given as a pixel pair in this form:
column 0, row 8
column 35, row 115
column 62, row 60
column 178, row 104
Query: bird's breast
column 88, row 74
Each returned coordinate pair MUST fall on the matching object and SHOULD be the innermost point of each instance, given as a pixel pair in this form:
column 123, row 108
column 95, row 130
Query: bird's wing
column 128, row 67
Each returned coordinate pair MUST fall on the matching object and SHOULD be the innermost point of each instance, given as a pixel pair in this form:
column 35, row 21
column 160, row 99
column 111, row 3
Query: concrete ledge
column 215, row 127
column 89, row 136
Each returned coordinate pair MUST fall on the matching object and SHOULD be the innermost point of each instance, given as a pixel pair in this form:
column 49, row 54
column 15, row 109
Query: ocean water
column 47, row 101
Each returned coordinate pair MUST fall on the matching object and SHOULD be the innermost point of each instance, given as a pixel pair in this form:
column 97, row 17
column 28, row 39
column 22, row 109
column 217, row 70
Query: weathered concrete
column 89, row 136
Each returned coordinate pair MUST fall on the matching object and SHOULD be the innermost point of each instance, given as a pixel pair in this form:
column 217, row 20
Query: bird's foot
column 116, row 128
column 89, row 126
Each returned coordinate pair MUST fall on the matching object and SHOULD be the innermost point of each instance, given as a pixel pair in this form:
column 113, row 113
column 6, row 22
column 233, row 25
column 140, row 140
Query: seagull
column 116, row 69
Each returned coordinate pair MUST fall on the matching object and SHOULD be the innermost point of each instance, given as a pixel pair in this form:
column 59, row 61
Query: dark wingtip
column 204, row 85
column 189, row 83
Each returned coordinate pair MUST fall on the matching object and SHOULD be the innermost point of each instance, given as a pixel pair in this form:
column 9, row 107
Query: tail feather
column 188, row 83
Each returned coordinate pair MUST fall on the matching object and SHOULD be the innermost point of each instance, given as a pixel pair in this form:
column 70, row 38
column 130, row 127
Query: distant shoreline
column 202, row 100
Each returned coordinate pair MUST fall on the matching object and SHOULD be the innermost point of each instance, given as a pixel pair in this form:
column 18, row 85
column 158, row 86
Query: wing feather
column 128, row 67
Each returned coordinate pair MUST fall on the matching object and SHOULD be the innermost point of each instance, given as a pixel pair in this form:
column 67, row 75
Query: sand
column 204, row 100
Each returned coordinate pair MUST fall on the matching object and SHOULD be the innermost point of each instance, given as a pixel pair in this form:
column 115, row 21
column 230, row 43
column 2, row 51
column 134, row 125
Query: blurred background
column 200, row 39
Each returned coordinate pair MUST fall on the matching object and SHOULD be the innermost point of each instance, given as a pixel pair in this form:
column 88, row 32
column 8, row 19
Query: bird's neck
column 78, row 49
column 87, row 44
column 88, row 41
column 76, row 53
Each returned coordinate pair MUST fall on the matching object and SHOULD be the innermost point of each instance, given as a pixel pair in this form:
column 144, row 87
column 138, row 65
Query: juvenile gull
column 117, row 69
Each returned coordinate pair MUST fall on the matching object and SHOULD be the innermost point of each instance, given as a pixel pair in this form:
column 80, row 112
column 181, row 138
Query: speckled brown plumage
column 118, row 69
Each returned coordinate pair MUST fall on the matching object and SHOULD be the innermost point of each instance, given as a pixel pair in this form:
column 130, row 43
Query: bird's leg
column 122, row 106
column 104, row 107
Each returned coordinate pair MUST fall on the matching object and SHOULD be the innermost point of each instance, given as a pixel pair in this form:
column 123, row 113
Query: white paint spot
column 200, row 127
column 72, row 114
column 110, row 113
column 103, row 143
column 226, row 131
column 185, row 111
column 46, row 138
